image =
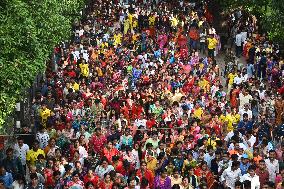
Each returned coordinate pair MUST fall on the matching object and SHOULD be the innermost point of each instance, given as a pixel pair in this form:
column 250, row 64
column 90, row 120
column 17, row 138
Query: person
column 162, row 181
column 6, row 177
column 238, row 44
column 144, row 173
column 19, row 182
column 33, row 153
column 12, row 164
column 272, row 165
column 103, row 168
column 34, row 184
column 20, row 150
column 212, row 43
column 231, row 175
column 252, row 177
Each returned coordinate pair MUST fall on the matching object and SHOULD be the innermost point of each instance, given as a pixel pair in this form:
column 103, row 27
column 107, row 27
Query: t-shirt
column 231, row 78
column 212, row 42
column 84, row 69
column 244, row 99
column 32, row 155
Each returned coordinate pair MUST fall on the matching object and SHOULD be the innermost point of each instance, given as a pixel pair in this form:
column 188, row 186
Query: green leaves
column 29, row 31
column 269, row 13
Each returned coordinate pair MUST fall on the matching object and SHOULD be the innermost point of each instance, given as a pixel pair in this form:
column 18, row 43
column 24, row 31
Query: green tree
column 29, row 31
column 269, row 13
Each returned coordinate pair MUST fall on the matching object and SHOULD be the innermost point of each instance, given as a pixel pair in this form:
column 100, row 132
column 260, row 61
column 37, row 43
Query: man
column 21, row 151
column 238, row 42
column 245, row 125
column 212, row 43
column 245, row 98
column 252, row 177
column 35, row 184
column 6, row 177
column 263, row 129
column 244, row 165
column 262, row 172
column 33, row 153
column 272, row 165
column 43, row 137
column 231, row 175
column 44, row 113
column 209, row 156
column 246, row 110
column 12, row 164
column 238, row 79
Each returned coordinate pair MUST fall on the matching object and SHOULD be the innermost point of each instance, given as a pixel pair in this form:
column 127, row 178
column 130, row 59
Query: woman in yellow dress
column 126, row 25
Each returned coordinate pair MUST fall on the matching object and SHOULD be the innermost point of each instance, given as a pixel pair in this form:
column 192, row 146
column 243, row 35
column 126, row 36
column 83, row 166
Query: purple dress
column 159, row 185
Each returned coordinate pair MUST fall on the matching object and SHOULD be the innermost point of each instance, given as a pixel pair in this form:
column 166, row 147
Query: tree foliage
column 29, row 31
column 269, row 13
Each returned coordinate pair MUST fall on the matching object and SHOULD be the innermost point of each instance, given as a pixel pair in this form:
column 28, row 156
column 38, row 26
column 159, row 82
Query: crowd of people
column 138, row 100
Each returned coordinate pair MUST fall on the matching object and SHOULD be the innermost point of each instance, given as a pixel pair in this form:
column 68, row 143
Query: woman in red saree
column 234, row 97
column 203, row 171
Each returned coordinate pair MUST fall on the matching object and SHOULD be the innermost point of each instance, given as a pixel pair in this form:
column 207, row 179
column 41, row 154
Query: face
column 109, row 145
column 76, row 177
column 185, row 181
column 251, row 172
column 262, row 165
column 107, row 178
column 20, row 142
column 36, row 145
column 90, row 187
column 272, row 155
column 104, row 163
column 34, row 181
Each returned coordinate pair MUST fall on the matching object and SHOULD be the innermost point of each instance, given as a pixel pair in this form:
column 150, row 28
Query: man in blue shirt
column 245, row 125
column 244, row 165
column 6, row 177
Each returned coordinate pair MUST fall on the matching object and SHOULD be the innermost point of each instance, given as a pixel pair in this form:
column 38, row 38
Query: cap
column 245, row 156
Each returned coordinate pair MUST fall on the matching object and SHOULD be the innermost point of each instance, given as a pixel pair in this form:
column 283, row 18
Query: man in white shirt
column 247, row 111
column 272, row 165
column 238, row 79
column 141, row 121
column 252, row 177
column 43, row 137
column 20, row 150
column 245, row 98
column 238, row 42
column 231, row 175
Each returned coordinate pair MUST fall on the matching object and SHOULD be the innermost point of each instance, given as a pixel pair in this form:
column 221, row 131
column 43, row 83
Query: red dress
column 94, row 179
column 98, row 143
column 109, row 153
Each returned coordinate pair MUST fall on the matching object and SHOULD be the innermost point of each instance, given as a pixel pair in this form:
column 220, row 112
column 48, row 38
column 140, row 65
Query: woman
column 126, row 139
column 103, row 168
column 49, row 150
column 91, row 177
column 204, row 172
column 279, row 108
column 234, row 96
column 107, row 182
column 162, row 181
column 109, row 151
column 76, row 147
column 48, row 174
column 176, row 178
column 76, row 182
